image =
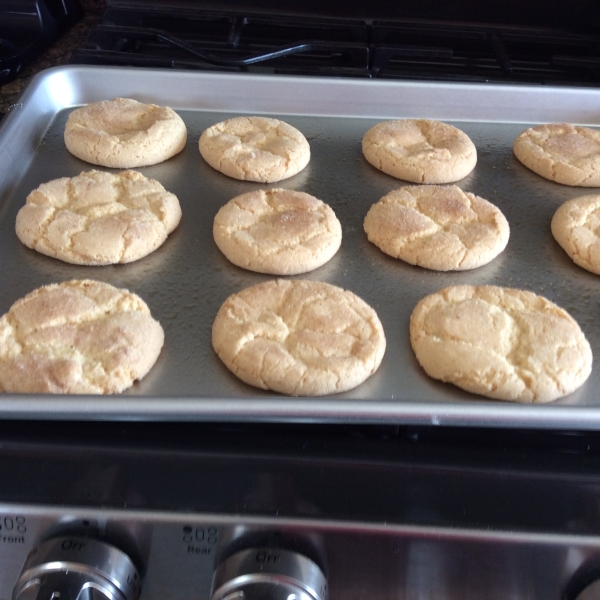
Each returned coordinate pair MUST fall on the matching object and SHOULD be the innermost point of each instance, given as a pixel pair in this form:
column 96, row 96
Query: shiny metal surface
column 187, row 279
column 269, row 574
column 365, row 560
column 76, row 568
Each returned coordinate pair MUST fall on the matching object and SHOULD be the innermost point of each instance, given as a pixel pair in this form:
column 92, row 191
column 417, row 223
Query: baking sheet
column 186, row 280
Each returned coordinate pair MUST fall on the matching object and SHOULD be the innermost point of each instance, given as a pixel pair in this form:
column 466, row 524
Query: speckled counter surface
column 58, row 53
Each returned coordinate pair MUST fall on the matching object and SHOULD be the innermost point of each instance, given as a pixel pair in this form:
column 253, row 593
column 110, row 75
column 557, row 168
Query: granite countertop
column 56, row 54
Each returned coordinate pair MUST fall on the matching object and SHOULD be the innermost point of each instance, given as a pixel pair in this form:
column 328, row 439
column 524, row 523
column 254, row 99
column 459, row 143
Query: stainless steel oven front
column 203, row 511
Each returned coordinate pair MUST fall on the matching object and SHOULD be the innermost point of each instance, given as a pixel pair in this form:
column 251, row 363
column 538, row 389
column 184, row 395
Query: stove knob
column 72, row 568
column 268, row 574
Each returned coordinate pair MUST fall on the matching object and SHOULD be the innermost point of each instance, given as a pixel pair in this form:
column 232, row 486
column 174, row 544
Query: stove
column 142, row 504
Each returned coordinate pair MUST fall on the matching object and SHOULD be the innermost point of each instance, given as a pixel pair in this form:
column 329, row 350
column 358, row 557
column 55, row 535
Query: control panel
column 59, row 554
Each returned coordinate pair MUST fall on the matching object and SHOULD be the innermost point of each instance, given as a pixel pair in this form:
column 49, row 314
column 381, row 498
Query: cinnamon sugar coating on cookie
column 576, row 227
column 501, row 343
column 563, row 153
column 420, row 150
column 77, row 337
column 440, row 228
column 124, row 133
column 98, row 218
column 255, row 149
column 280, row 232
column 303, row 338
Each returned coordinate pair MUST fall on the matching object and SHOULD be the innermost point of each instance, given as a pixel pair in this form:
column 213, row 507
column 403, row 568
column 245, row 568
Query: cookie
column 420, row 150
column 98, row 218
column 576, row 227
column 303, row 338
column 563, row 153
column 280, row 232
column 440, row 228
column 501, row 343
column 123, row 133
column 77, row 337
column 255, row 149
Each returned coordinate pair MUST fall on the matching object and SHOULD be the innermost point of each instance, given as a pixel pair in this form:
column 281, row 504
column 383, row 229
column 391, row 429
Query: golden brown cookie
column 563, row 153
column 420, row 150
column 123, row 133
column 435, row 227
column 98, row 218
column 255, row 149
column 576, row 227
column 77, row 337
column 280, row 232
column 501, row 343
column 303, row 338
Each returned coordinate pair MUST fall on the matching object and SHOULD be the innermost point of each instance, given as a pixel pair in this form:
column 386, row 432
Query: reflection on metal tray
column 186, row 280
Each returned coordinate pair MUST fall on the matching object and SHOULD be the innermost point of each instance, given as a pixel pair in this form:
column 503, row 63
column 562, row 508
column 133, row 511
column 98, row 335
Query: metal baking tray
column 186, row 280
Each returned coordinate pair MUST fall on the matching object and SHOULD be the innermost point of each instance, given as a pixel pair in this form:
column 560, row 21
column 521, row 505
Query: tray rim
column 482, row 414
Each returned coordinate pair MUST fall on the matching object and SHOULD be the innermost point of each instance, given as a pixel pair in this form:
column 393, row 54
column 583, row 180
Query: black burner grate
column 27, row 27
column 417, row 50
column 208, row 40
column 408, row 49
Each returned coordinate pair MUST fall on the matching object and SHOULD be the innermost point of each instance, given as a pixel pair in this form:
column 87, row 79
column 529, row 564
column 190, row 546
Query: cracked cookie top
column 576, row 227
column 563, row 153
column 420, row 150
column 437, row 227
column 98, row 218
column 303, row 338
column 124, row 133
column 77, row 337
column 502, row 343
column 280, row 232
column 255, row 149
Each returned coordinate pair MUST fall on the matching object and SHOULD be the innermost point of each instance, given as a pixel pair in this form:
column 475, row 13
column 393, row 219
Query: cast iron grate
column 408, row 49
column 226, row 42
column 419, row 50
column 27, row 27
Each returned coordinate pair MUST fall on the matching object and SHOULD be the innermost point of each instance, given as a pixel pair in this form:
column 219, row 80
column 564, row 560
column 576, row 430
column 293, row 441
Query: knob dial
column 73, row 568
column 268, row 574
